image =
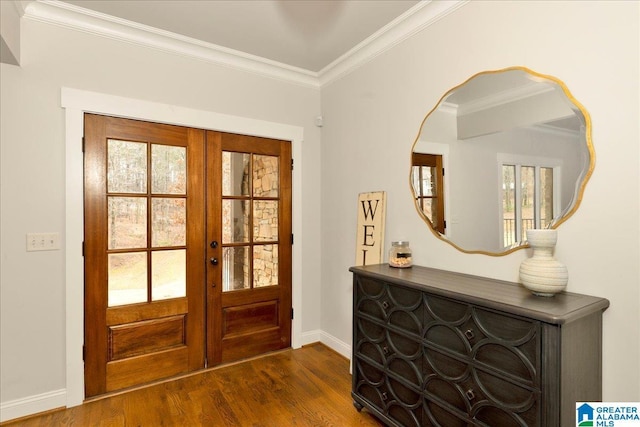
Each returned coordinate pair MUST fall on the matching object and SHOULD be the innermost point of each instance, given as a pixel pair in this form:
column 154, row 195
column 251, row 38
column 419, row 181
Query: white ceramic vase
column 542, row 274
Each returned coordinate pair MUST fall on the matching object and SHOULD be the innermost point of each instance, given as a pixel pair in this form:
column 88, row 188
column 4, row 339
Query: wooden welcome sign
column 370, row 234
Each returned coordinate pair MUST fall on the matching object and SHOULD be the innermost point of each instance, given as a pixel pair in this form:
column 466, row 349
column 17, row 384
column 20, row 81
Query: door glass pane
column 235, row 221
column 127, row 278
column 423, row 183
column 168, row 222
column 546, row 196
column 235, row 268
column 126, row 167
column 508, row 204
column 432, row 212
column 423, row 180
column 415, row 180
column 265, row 176
column 427, row 207
column 265, row 220
column 527, row 197
column 169, row 278
column 168, row 169
column 127, row 222
column 429, row 181
column 265, row 265
column 235, row 174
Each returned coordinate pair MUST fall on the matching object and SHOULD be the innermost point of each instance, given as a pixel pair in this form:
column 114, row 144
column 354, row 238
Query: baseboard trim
column 310, row 337
column 33, row 404
column 329, row 340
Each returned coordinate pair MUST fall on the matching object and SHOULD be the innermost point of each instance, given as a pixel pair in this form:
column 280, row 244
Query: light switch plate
column 43, row 242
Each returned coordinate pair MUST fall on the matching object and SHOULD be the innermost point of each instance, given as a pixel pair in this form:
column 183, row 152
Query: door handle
column 213, row 244
column 213, row 261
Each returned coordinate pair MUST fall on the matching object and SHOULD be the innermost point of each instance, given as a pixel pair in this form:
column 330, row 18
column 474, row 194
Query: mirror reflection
column 504, row 152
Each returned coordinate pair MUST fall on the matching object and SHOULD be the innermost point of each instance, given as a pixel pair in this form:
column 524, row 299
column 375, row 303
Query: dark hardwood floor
column 309, row 386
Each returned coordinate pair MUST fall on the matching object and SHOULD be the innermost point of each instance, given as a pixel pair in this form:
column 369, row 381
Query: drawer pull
column 385, row 304
column 384, row 395
column 385, row 350
column 469, row 334
column 470, row 394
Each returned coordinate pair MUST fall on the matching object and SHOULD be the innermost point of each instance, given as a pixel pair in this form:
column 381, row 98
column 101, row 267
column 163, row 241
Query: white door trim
column 76, row 103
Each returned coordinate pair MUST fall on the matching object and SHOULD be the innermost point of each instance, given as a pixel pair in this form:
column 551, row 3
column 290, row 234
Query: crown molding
column 70, row 16
column 88, row 21
column 554, row 130
column 416, row 19
column 448, row 107
column 504, row 97
column 21, row 5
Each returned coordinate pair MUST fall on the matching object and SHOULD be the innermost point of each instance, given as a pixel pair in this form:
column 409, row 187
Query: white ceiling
column 307, row 34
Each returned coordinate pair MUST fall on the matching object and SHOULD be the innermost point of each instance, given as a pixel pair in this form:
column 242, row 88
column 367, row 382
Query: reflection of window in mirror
column 428, row 184
column 529, row 197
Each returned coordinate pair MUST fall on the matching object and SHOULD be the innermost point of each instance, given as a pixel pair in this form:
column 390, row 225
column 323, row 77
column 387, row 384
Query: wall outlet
column 43, row 242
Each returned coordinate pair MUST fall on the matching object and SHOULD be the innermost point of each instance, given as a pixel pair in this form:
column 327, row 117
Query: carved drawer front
column 503, row 344
column 389, row 350
column 391, row 305
column 369, row 297
column 479, row 398
column 480, row 367
column 389, row 340
column 384, row 356
column 389, row 393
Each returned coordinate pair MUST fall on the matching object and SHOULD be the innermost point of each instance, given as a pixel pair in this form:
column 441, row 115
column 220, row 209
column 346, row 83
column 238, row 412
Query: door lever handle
column 214, row 261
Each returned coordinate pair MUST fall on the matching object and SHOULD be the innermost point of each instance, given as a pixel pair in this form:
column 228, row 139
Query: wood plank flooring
column 309, row 386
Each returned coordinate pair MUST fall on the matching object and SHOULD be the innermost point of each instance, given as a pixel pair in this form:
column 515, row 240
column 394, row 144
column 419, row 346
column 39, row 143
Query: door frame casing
column 78, row 102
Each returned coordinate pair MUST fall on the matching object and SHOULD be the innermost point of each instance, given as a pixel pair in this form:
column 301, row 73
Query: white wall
column 32, row 347
column 372, row 117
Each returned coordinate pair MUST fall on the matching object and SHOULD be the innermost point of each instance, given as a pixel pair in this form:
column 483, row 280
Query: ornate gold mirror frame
column 494, row 109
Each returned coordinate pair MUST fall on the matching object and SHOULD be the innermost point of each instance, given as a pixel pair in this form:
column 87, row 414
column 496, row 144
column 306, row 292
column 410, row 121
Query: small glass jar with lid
column 400, row 254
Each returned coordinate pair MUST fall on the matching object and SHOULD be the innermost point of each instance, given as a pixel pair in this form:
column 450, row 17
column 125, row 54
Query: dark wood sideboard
column 436, row 348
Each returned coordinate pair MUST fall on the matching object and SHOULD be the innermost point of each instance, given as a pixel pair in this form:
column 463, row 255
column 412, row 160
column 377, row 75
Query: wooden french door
column 428, row 186
column 249, row 250
column 153, row 206
column 144, row 311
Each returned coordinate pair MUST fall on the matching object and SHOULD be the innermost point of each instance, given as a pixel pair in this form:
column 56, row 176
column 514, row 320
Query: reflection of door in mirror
column 428, row 184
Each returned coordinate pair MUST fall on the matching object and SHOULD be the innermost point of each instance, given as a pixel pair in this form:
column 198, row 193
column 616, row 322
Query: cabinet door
column 480, row 365
column 388, row 350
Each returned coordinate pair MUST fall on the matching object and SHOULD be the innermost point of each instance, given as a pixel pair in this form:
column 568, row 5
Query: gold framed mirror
column 505, row 151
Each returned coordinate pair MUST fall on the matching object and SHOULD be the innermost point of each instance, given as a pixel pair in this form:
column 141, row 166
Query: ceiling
column 489, row 90
column 306, row 34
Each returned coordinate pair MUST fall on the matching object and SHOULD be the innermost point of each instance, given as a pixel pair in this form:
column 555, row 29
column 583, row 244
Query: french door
column 249, row 246
column 427, row 174
column 169, row 286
